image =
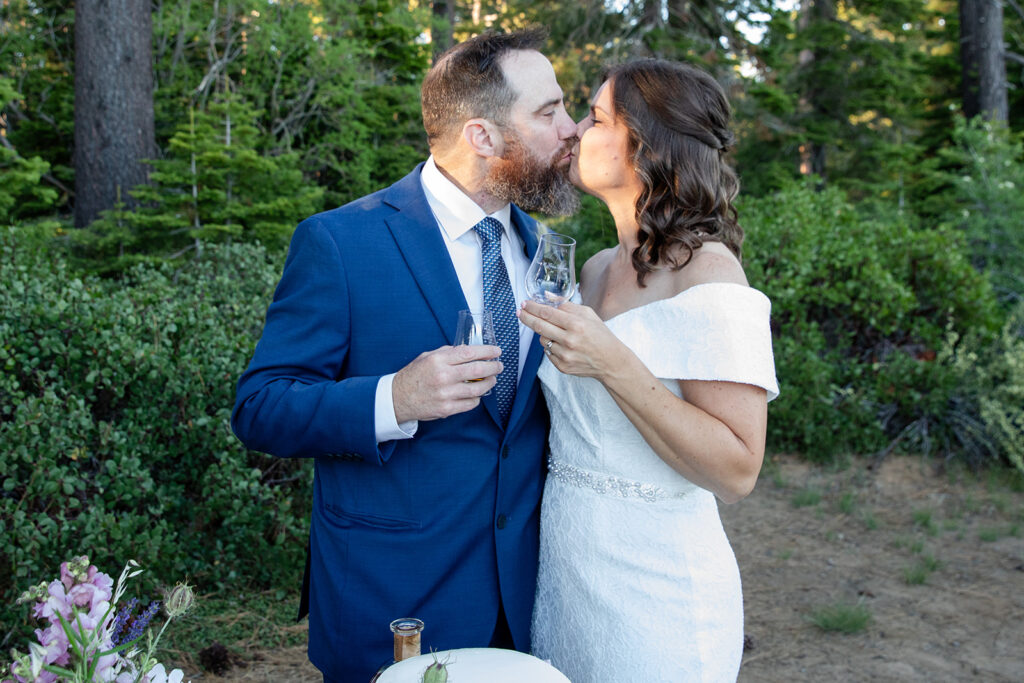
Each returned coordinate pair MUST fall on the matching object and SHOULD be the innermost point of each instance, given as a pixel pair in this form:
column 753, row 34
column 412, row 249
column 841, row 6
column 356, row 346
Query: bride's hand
column 574, row 338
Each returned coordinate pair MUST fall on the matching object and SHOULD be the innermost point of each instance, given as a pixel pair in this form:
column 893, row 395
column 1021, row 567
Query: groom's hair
column 467, row 81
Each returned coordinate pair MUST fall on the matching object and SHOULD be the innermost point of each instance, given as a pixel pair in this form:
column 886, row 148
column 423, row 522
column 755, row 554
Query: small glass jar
column 407, row 637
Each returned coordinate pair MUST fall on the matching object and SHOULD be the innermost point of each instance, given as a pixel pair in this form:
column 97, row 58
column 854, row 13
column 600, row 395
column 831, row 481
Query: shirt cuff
column 385, row 423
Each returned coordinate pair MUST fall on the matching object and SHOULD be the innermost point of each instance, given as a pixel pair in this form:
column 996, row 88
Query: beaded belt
column 606, row 484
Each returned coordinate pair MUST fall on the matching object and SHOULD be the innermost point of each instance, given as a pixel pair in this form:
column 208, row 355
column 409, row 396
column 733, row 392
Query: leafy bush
column 861, row 305
column 115, row 398
column 989, row 393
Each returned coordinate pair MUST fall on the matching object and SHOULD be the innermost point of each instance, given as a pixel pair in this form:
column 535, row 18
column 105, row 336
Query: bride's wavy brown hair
column 678, row 122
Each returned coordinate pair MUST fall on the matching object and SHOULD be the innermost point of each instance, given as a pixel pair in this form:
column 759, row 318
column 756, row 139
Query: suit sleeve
column 292, row 400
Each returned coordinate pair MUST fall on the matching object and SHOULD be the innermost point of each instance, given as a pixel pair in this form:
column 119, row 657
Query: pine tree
column 212, row 186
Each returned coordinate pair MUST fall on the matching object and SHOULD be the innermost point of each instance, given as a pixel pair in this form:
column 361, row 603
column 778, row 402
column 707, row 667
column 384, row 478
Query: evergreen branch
column 1014, row 57
column 48, row 177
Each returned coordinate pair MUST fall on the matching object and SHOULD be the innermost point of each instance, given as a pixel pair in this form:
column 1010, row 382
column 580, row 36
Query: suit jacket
column 440, row 527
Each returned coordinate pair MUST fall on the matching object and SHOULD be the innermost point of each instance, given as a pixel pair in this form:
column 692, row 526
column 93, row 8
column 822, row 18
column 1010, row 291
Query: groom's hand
column 439, row 382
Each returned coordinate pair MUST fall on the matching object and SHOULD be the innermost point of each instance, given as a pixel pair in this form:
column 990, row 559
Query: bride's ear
column 484, row 137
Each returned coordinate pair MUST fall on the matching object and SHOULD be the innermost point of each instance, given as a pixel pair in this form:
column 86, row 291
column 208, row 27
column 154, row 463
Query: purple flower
column 89, row 594
column 105, row 668
column 79, row 602
column 122, row 617
column 55, row 602
column 55, row 641
column 128, row 627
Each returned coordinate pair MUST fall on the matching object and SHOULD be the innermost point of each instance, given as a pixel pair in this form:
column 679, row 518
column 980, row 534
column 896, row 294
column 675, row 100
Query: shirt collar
column 456, row 213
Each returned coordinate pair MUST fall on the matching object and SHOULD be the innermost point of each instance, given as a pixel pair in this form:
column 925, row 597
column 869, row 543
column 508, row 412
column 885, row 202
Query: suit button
column 502, row 519
column 504, row 452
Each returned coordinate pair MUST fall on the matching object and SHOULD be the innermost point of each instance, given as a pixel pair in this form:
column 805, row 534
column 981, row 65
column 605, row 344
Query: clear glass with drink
column 475, row 327
column 551, row 278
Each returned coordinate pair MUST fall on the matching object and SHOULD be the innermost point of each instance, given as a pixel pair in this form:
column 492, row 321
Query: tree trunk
column 443, row 25
column 824, row 12
column 679, row 15
column 652, row 14
column 113, row 103
column 983, row 59
column 813, row 157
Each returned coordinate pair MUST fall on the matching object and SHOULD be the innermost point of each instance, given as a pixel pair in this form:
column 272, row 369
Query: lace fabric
column 637, row 579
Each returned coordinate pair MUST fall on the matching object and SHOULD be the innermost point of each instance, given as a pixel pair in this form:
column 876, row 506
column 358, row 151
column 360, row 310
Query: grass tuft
column 870, row 521
column 806, row 497
column 842, row 617
column 247, row 626
column 925, row 520
column 917, row 574
column 847, row 503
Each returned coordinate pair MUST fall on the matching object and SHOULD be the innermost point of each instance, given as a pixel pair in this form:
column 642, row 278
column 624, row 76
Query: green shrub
column 114, row 426
column 861, row 305
column 989, row 392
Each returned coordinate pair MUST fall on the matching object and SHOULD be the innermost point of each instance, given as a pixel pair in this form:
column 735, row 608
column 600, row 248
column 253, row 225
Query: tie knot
column 489, row 229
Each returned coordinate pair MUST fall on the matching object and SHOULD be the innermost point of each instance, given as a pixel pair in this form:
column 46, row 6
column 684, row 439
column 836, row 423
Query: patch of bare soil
column 936, row 560
column 877, row 531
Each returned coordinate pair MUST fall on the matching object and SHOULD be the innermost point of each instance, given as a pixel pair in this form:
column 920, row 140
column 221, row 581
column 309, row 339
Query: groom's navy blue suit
column 442, row 526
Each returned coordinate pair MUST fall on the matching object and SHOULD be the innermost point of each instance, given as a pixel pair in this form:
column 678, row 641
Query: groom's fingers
column 439, row 383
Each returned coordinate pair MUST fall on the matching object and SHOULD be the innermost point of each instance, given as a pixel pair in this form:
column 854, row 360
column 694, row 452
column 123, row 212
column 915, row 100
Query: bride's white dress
column 637, row 580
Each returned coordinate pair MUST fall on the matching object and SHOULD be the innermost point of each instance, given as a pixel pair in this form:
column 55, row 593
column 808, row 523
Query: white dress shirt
column 456, row 215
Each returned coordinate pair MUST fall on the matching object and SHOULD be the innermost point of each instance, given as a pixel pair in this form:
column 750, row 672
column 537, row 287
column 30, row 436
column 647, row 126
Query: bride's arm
column 714, row 436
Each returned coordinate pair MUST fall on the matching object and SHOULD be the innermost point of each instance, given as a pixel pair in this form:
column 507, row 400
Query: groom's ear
column 484, row 137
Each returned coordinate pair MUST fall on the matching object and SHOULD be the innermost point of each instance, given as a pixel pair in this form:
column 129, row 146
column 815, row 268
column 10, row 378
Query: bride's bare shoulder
column 713, row 262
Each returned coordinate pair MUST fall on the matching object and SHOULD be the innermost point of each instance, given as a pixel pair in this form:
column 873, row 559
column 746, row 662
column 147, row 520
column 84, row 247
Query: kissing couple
column 565, row 505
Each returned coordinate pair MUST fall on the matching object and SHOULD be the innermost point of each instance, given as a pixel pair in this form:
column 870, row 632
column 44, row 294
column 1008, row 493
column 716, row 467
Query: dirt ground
column 935, row 559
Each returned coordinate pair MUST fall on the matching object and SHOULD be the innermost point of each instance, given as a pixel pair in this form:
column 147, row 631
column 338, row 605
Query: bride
column 658, row 388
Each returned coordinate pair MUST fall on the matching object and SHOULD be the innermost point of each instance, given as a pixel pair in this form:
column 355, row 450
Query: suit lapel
column 415, row 231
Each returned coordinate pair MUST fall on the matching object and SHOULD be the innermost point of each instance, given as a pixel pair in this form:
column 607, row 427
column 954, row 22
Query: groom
column 427, row 487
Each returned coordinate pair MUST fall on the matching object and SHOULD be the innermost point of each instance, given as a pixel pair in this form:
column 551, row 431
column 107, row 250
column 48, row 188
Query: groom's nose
column 566, row 127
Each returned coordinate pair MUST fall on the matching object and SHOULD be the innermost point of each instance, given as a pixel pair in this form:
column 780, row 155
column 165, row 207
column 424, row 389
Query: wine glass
column 475, row 327
column 551, row 278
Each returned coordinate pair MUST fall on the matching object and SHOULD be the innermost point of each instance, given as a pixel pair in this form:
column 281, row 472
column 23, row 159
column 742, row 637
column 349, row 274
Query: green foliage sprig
column 20, row 190
column 989, row 392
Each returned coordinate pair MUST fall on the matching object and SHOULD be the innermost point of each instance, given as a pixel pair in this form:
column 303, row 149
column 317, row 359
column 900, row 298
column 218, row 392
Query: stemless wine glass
column 551, row 278
column 475, row 327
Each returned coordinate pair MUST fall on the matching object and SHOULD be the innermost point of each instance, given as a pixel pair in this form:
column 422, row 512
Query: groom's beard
column 530, row 183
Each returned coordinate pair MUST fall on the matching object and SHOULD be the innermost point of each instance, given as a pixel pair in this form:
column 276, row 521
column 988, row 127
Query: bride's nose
column 584, row 125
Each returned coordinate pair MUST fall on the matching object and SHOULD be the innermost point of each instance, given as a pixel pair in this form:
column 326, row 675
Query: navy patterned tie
column 499, row 300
